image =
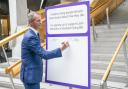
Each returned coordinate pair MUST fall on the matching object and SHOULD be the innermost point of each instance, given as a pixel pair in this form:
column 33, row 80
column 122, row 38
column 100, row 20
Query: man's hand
column 64, row 45
column 43, row 45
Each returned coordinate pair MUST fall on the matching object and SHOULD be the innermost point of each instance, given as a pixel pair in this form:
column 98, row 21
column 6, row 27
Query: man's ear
column 31, row 23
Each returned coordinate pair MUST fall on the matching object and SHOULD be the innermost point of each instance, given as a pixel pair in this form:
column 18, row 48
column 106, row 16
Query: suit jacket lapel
column 34, row 34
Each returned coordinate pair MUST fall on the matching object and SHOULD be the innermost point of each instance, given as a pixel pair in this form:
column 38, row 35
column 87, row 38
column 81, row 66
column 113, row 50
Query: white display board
column 73, row 66
column 69, row 23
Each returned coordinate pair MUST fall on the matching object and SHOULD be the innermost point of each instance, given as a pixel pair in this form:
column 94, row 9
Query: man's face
column 36, row 22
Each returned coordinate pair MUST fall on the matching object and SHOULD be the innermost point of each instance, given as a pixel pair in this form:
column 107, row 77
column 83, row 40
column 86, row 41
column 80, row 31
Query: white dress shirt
column 34, row 30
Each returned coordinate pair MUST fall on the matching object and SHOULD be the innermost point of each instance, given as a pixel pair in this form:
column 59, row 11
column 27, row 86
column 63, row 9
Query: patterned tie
column 38, row 35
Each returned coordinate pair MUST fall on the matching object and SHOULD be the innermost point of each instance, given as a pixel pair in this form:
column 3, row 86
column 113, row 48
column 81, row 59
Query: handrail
column 94, row 3
column 106, row 74
column 13, row 36
column 10, row 67
column 99, row 6
column 99, row 9
column 63, row 3
column 41, row 11
column 14, row 69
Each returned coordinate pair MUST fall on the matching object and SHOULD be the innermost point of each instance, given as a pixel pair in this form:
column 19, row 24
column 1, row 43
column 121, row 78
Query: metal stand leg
column 5, row 55
column 70, row 87
column 108, row 20
column 93, row 29
column 13, row 86
column 50, row 84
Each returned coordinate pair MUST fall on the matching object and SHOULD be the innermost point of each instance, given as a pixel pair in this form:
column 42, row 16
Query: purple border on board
column 66, row 5
column 71, row 35
column 89, row 47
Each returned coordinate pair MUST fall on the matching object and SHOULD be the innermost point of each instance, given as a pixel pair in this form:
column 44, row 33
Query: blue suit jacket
column 32, row 54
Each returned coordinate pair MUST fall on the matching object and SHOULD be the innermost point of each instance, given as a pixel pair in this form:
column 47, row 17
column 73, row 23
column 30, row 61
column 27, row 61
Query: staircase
column 104, row 47
column 102, row 51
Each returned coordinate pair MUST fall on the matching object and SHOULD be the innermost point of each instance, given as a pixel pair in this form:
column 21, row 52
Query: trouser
column 32, row 85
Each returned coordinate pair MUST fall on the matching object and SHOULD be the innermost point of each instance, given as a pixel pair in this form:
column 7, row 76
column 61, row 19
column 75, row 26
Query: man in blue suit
column 32, row 54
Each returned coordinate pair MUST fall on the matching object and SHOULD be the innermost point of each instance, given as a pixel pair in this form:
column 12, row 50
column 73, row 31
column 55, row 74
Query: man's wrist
column 61, row 48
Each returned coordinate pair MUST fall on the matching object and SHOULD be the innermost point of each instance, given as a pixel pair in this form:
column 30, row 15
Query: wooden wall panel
column 42, row 30
column 101, row 3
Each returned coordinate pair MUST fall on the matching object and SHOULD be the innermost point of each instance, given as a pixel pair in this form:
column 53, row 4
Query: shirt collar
column 34, row 30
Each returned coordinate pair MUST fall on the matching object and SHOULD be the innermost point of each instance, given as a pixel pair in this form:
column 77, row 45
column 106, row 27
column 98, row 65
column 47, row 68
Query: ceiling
column 4, row 7
column 33, row 5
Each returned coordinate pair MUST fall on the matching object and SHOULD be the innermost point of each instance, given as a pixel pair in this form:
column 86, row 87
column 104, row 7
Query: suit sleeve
column 34, row 45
